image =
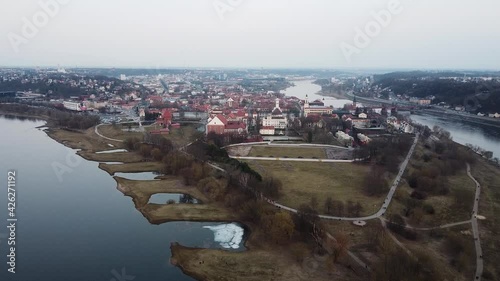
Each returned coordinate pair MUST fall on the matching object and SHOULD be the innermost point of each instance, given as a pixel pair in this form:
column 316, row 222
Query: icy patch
column 229, row 236
column 110, row 145
column 111, row 151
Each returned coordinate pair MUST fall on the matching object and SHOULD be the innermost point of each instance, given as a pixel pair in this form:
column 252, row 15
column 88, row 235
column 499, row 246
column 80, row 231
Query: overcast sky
column 421, row 34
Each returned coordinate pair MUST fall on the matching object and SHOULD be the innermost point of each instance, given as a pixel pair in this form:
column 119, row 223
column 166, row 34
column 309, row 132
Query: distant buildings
column 74, row 106
column 277, row 120
column 316, row 108
column 220, row 124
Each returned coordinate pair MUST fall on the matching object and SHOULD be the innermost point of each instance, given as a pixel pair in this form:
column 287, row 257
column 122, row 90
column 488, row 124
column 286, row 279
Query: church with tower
column 276, row 123
column 316, row 108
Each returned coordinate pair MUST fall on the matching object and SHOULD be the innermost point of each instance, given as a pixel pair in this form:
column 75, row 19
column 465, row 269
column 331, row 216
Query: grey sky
column 254, row 33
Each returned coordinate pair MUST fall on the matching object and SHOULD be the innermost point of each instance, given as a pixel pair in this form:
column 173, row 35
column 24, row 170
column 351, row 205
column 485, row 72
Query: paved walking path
column 384, row 206
column 96, row 130
column 475, row 228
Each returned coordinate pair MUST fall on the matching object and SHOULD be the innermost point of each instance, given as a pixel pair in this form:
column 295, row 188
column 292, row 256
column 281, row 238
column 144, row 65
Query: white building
column 277, row 119
column 75, row 106
column 315, row 109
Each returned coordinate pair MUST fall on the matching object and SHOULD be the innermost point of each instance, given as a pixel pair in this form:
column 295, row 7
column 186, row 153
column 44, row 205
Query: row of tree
column 66, row 119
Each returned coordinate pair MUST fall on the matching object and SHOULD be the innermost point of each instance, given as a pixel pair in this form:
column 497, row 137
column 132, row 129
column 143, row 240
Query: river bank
column 249, row 262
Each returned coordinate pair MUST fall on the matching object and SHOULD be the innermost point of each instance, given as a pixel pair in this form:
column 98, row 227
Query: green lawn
column 291, row 152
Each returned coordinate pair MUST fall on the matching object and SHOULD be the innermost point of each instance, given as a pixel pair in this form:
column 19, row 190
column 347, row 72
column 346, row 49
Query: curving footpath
column 387, row 200
column 96, row 130
column 475, row 228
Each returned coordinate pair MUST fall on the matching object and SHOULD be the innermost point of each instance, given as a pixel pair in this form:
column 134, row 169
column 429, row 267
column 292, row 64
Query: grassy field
column 157, row 214
column 291, row 152
column 131, row 167
column 179, row 136
column 255, row 264
column 302, row 181
column 84, row 140
column 116, row 132
column 125, row 157
column 141, row 191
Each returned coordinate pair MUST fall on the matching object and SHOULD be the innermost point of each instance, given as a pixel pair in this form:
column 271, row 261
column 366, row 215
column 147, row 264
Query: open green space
column 305, row 180
column 290, row 152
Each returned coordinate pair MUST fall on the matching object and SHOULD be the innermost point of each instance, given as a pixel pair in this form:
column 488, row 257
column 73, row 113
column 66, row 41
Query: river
column 78, row 227
column 307, row 87
column 487, row 137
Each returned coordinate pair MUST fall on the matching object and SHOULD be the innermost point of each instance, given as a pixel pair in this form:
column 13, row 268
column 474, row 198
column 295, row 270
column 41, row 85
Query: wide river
column 307, row 87
column 487, row 137
column 78, row 227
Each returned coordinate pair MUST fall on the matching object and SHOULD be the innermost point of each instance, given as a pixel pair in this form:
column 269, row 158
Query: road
column 475, row 228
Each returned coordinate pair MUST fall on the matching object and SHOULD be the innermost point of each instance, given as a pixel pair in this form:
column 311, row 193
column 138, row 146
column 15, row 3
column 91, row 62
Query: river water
column 77, row 226
column 307, row 87
column 487, row 137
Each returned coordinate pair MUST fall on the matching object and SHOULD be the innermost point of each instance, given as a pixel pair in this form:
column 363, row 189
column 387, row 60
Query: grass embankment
column 291, row 152
column 118, row 132
column 272, row 263
column 85, row 140
column 489, row 206
column 302, row 181
column 131, row 167
column 141, row 191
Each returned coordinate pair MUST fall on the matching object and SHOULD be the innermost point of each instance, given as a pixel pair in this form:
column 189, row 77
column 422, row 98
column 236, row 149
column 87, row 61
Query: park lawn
column 270, row 263
column 84, row 140
column 179, row 136
column 208, row 212
column 141, row 191
column 132, row 167
column 118, row 132
column 291, row 152
column 303, row 180
column 125, row 157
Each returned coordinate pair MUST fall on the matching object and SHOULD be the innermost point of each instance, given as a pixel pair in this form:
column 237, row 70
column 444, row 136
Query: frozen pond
column 164, row 198
column 229, row 236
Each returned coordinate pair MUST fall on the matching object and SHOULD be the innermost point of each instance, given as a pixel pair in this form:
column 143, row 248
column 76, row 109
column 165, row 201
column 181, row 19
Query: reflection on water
column 144, row 176
column 462, row 132
column 82, row 228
